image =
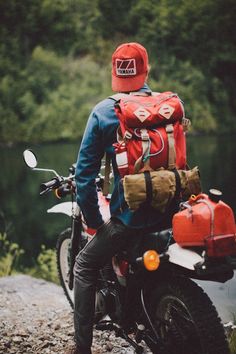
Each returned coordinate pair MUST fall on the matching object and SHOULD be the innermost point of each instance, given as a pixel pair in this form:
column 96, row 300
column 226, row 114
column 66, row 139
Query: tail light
column 221, row 246
column 120, row 266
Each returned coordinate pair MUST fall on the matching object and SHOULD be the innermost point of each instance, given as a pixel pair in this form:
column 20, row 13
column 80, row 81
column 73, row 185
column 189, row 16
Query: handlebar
column 62, row 186
column 52, row 184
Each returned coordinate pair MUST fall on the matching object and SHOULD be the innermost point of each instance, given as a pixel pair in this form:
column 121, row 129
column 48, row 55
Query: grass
column 232, row 338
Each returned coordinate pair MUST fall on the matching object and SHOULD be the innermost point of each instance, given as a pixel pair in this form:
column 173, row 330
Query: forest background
column 55, row 61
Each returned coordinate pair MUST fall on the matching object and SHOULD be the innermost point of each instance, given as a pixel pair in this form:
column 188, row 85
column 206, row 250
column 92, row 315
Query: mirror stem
column 47, row 170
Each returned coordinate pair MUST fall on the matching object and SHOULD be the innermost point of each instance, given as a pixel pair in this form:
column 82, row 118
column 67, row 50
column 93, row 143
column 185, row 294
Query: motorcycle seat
column 158, row 241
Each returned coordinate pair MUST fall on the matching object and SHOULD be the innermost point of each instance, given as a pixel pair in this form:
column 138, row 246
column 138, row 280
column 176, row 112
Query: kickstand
column 119, row 331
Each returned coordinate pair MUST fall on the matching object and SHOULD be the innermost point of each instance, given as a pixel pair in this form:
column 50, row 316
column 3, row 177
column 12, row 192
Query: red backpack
column 151, row 133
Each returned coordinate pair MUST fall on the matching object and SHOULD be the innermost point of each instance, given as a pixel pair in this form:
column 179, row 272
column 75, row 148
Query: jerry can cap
column 215, row 195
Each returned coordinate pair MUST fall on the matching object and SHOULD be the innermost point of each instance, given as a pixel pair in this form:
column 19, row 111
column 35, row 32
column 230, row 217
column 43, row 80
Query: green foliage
column 45, row 267
column 9, row 255
column 232, row 337
column 232, row 342
column 55, row 61
column 108, row 14
column 189, row 83
column 55, row 99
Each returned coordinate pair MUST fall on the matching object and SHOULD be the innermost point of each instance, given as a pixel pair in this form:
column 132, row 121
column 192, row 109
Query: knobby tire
column 203, row 316
column 65, row 236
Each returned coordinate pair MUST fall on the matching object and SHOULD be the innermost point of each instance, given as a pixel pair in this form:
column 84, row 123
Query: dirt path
column 35, row 318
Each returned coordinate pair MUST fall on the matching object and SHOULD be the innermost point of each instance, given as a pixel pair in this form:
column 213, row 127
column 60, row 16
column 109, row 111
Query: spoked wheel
column 63, row 263
column 186, row 319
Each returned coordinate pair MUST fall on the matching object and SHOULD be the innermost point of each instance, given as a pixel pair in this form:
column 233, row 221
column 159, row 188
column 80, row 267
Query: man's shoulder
column 104, row 113
column 106, row 104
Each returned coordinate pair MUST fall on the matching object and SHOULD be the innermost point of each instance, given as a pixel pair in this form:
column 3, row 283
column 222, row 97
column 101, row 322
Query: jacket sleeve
column 87, row 168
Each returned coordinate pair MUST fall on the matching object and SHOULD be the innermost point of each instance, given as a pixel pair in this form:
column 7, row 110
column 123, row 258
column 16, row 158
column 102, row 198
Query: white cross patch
column 166, row 111
column 142, row 114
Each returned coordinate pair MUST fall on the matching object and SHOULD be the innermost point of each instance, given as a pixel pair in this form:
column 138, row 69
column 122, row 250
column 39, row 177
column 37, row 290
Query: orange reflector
column 57, row 194
column 151, row 260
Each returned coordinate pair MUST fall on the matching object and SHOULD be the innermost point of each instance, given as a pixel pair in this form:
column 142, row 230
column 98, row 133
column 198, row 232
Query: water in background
column 23, row 211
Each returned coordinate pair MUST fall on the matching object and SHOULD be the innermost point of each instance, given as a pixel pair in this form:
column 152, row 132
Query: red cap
column 129, row 67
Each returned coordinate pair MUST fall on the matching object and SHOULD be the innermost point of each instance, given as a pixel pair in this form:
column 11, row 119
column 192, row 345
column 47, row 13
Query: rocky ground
column 35, row 318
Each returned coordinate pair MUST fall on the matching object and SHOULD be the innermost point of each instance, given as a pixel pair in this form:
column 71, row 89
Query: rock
column 109, row 346
column 23, row 333
column 7, row 344
column 17, row 339
column 56, row 326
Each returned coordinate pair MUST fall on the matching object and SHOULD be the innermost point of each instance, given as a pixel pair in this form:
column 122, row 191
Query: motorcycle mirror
column 30, row 158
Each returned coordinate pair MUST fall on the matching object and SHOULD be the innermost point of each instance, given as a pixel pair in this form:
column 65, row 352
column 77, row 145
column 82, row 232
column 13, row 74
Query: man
column 129, row 73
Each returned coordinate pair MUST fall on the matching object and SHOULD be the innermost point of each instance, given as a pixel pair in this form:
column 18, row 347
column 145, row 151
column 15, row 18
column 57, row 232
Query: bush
column 9, row 255
column 51, row 98
column 190, row 84
column 46, row 266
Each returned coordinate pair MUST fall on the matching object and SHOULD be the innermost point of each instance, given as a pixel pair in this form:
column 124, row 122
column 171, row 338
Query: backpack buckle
column 169, row 128
column 127, row 135
column 144, row 134
column 186, row 123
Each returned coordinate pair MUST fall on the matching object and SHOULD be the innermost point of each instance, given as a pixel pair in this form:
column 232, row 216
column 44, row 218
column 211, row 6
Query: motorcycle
column 153, row 283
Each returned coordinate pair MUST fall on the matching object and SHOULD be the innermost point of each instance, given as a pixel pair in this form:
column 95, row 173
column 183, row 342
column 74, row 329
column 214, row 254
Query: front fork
column 76, row 245
column 151, row 335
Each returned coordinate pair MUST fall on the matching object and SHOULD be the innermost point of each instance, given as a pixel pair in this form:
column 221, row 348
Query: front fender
column 63, row 208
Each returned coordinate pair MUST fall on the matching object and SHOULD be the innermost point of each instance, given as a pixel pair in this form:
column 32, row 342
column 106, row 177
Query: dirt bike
column 171, row 314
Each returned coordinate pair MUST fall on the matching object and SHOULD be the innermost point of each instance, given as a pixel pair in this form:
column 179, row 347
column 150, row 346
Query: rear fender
column 189, row 263
column 183, row 257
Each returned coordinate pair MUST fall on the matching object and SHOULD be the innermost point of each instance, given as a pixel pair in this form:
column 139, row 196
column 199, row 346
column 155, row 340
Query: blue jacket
column 99, row 136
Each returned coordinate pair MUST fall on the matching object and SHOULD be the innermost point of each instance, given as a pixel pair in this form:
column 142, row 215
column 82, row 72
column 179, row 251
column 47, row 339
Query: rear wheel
column 186, row 319
column 63, row 263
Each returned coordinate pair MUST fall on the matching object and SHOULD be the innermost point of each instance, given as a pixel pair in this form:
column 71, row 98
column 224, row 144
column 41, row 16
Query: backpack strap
column 106, row 183
column 145, row 153
column 118, row 96
column 141, row 93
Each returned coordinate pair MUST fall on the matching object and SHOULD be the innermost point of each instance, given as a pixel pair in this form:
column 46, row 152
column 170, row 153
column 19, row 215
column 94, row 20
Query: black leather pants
column 110, row 238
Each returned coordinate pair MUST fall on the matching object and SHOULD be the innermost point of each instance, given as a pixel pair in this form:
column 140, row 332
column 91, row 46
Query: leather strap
column 178, row 183
column 149, row 191
column 171, row 143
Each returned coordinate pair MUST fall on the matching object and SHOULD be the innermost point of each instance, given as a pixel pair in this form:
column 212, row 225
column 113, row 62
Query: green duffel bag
column 158, row 188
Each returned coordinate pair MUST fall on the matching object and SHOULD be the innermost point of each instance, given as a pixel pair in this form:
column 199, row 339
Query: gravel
column 37, row 319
